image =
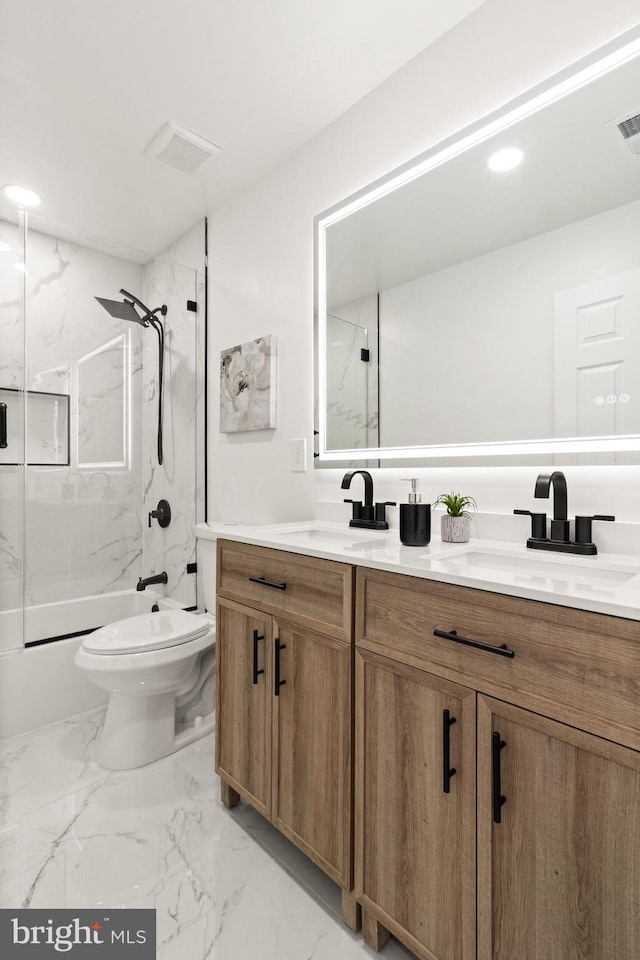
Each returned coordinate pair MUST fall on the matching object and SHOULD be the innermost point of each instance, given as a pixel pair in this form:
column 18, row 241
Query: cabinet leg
column 373, row 932
column 228, row 795
column 351, row 910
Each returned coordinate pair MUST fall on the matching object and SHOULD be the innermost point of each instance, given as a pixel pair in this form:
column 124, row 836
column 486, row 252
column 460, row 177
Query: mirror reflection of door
column 597, row 360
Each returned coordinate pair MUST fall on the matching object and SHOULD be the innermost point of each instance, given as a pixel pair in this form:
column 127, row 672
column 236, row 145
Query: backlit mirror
column 485, row 299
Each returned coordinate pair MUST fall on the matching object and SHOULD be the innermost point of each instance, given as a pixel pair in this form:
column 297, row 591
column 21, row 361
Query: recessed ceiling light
column 23, row 196
column 505, row 159
column 4, row 245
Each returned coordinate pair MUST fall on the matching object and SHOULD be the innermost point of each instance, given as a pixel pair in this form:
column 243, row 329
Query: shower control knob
column 162, row 513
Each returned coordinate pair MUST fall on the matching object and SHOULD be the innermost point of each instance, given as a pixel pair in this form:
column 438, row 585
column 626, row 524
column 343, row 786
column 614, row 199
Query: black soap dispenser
column 415, row 518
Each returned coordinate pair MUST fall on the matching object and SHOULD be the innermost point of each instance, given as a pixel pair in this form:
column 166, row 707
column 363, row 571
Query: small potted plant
column 454, row 524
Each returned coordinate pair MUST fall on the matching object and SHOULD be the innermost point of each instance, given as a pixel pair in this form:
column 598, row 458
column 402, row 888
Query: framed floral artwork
column 248, row 386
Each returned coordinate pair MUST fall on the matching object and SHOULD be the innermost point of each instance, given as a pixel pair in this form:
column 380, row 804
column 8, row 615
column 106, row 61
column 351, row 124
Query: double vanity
column 451, row 732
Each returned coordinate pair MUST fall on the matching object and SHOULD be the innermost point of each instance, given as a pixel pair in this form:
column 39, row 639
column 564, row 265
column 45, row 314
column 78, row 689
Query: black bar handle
column 256, row 672
column 538, row 523
column 447, row 770
column 583, row 526
column 268, row 583
column 3, row 425
column 502, row 650
column 277, row 681
column 498, row 799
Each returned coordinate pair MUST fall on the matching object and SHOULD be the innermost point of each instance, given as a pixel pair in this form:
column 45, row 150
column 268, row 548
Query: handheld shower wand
column 126, row 310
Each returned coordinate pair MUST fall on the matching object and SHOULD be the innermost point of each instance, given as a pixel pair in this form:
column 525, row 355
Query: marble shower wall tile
column 83, row 522
column 176, row 480
column 11, row 481
column 11, row 326
column 201, row 360
column 11, row 548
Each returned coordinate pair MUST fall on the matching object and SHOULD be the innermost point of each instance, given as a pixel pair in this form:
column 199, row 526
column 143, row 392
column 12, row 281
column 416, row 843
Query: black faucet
column 560, row 522
column 560, row 539
column 366, row 514
column 144, row 582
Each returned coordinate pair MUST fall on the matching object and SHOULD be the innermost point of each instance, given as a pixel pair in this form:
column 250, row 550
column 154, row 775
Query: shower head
column 126, row 309
column 122, row 310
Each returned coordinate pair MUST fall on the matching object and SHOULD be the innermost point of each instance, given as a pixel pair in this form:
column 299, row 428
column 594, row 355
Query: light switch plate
column 299, row 455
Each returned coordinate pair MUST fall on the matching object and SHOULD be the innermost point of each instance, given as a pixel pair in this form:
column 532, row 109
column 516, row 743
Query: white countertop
column 607, row 583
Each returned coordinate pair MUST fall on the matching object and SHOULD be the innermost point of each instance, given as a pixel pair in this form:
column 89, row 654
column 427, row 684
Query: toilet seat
column 147, row 632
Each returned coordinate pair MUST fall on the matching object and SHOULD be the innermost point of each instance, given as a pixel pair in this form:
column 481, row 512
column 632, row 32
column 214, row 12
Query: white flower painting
column 248, row 386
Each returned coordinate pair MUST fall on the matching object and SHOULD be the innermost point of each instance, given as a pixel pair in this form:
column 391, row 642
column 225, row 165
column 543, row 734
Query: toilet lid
column 150, row 631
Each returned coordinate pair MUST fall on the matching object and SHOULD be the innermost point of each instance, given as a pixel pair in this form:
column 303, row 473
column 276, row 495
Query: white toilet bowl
column 158, row 668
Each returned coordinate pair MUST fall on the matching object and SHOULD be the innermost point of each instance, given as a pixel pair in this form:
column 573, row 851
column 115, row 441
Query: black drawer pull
column 3, row 425
column 502, row 650
column 277, row 681
column 268, row 583
column 447, row 770
column 256, row 672
column 498, row 799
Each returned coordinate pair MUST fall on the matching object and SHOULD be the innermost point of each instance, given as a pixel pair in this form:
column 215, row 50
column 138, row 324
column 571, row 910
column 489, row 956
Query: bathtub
column 39, row 682
column 74, row 617
column 69, row 618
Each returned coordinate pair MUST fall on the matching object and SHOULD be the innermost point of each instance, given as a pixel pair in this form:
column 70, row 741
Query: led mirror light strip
column 433, row 159
column 509, row 448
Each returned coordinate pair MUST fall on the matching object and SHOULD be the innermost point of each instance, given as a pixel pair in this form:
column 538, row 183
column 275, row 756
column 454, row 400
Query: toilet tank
column 206, row 556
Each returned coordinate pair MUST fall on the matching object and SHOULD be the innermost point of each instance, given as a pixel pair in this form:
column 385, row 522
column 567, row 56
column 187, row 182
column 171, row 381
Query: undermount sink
column 318, row 534
column 558, row 573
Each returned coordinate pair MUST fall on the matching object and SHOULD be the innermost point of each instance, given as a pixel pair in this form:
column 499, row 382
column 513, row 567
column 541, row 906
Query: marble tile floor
column 225, row 884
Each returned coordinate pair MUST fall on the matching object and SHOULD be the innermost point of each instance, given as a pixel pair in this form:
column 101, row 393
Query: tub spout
column 144, row 582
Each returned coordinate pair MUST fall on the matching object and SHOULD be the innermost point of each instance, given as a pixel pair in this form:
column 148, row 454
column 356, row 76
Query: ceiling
column 85, row 86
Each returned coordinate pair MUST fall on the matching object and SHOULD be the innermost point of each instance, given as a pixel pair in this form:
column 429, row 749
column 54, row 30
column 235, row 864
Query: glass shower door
column 352, row 383
column 12, row 432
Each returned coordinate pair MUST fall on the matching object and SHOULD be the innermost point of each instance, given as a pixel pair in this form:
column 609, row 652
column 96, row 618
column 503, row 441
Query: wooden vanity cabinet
column 559, row 875
column 415, row 808
column 555, row 695
column 243, row 703
column 284, row 676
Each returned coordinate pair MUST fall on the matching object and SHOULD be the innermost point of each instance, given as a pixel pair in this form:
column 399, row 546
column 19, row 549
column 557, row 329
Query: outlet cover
column 299, row 455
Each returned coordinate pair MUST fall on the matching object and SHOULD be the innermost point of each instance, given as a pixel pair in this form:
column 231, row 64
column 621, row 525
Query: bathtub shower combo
column 99, row 435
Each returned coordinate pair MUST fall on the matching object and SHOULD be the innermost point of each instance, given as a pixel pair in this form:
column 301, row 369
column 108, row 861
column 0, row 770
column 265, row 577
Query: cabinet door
column 559, row 875
column 312, row 746
column 243, row 702
column 415, row 833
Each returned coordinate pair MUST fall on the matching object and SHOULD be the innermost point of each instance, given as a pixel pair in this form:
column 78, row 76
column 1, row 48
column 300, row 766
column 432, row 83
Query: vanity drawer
column 305, row 590
column 581, row 668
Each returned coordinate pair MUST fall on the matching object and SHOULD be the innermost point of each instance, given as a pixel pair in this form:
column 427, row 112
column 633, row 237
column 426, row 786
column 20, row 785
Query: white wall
column 260, row 263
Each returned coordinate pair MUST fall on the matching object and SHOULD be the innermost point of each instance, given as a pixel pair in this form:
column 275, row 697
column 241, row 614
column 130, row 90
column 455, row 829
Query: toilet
column 159, row 669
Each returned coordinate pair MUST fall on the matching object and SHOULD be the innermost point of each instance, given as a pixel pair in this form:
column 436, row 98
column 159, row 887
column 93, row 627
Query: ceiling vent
column 630, row 131
column 181, row 149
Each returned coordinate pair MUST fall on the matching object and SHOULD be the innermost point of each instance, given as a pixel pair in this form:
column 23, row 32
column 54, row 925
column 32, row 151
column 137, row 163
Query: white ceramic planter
column 454, row 529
